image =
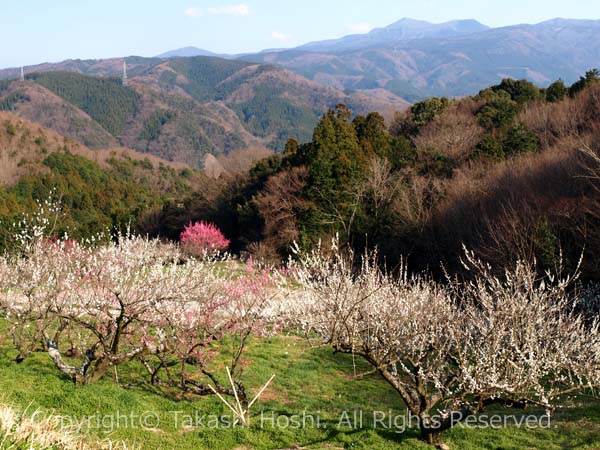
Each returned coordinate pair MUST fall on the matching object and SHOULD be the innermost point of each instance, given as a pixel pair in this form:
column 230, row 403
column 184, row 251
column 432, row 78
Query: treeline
column 500, row 172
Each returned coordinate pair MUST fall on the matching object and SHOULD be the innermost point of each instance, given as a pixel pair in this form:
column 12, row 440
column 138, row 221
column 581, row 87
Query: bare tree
column 380, row 188
column 452, row 133
column 281, row 204
column 193, row 330
column 593, row 162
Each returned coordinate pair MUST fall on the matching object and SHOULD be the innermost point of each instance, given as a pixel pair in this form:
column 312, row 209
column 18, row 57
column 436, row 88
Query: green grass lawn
column 311, row 381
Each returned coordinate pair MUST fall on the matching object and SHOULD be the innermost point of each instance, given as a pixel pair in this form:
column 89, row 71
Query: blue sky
column 34, row 31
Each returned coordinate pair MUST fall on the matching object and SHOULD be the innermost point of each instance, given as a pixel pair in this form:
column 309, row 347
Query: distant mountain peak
column 405, row 29
column 559, row 21
column 186, row 52
column 444, row 29
column 407, row 21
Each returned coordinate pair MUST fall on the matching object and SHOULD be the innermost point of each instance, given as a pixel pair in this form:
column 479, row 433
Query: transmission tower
column 124, row 73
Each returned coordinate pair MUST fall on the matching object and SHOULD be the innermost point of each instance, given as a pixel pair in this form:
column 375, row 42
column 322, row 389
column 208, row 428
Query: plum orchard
column 451, row 350
column 132, row 299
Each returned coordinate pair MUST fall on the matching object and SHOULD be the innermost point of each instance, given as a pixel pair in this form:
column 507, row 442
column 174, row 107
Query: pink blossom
column 201, row 238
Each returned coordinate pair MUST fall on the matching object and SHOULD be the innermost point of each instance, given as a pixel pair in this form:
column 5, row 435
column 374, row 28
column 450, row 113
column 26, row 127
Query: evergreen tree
column 520, row 91
column 336, row 157
column 591, row 76
column 426, row 110
column 556, row 91
column 372, row 135
column 336, row 162
column 520, row 140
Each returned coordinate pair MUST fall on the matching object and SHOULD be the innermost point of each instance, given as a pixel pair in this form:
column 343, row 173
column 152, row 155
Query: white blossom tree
column 32, row 276
column 451, row 351
column 132, row 299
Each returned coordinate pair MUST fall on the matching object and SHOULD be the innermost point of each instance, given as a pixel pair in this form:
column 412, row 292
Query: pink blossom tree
column 203, row 238
column 218, row 320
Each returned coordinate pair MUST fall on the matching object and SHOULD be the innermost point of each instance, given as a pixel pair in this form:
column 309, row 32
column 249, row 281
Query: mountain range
column 188, row 103
column 180, row 109
column 415, row 59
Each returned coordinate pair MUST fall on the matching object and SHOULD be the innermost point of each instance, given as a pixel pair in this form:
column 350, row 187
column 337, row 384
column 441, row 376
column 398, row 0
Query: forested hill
column 100, row 189
column 512, row 172
column 180, row 109
column 509, row 173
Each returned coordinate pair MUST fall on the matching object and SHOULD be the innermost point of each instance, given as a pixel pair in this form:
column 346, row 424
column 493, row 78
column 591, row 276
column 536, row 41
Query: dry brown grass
column 41, row 431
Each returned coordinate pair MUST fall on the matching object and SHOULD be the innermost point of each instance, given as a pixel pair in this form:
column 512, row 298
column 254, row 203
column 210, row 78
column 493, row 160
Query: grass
column 311, row 381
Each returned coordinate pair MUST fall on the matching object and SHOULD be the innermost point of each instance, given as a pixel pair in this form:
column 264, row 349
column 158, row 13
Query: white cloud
column 193, row 12
column 281, row 37
column 233, row 10
column 362, row 27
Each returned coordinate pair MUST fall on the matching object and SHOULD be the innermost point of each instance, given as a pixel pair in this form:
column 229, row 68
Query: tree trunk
column 99, row 369
column 431, row 431
column 433, row 437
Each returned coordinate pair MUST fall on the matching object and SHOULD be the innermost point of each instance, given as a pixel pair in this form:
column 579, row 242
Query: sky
column 36, row 31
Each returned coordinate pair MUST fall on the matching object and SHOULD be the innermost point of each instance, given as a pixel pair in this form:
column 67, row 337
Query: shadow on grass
column 333, row 431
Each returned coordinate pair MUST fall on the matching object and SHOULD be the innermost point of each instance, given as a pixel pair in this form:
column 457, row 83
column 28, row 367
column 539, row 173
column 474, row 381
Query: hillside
column 414, row 59
column 502, row 172
column 35, row 103
column 180, row 109
column 24, row 145
column 98, row 188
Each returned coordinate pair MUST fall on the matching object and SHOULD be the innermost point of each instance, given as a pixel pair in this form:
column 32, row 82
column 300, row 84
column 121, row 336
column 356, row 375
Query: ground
column 310, row 383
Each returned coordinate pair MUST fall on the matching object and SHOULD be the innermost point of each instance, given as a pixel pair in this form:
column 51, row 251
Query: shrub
column 489, row 147
column 10, row 128
column 202, row 238
column 498, row 113
column 520, row 140
column 556, row 91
